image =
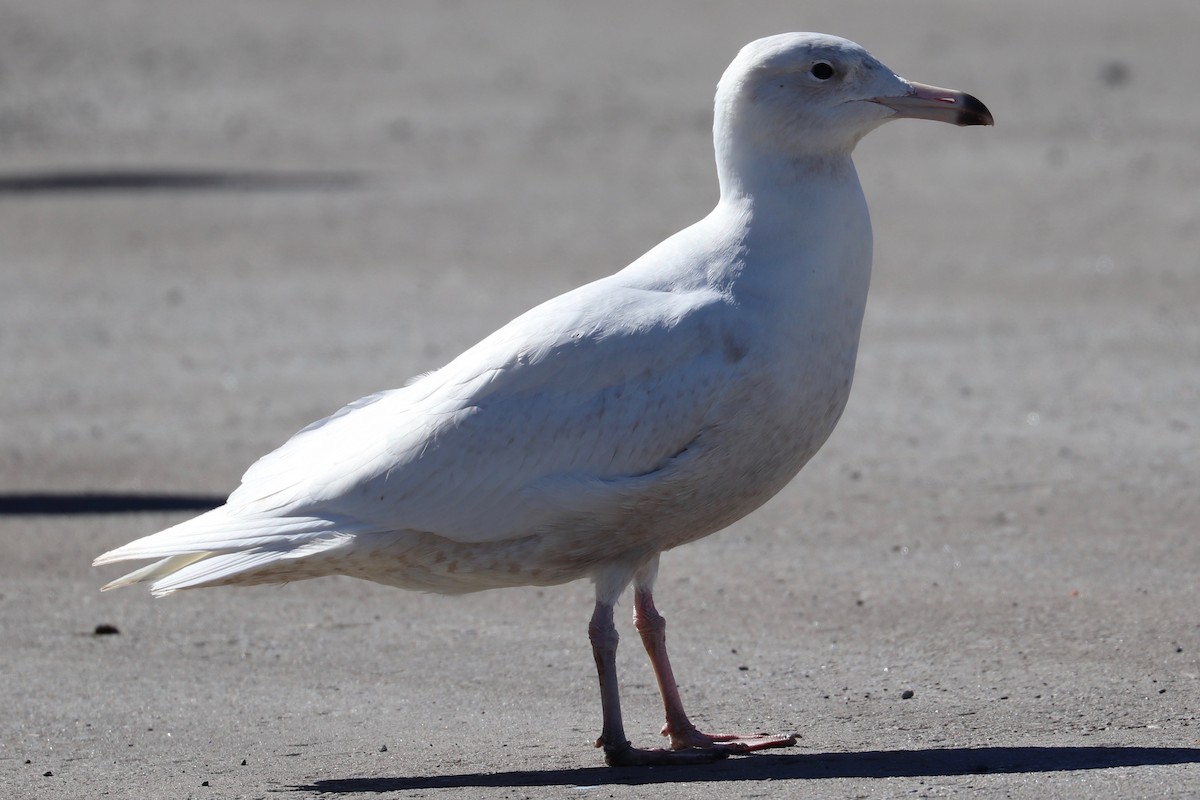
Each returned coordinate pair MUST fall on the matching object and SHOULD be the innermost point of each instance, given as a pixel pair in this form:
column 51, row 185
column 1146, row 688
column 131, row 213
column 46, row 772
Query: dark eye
column 822, row 71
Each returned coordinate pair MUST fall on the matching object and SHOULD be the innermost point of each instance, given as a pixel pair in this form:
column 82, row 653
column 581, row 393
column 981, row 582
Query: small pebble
column 383, row 748
column 906, row 694
column 1115, row 73
column 104, row 629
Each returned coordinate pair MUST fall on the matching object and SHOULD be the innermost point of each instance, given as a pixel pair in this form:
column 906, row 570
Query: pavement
column 220, row 221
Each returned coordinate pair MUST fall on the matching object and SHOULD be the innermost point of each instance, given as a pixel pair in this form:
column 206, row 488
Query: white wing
column 562, row 412
column 548, row 416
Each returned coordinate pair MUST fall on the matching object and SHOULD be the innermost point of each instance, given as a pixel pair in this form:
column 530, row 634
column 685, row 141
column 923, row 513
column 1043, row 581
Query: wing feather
column 574, row 393
column 570, row 411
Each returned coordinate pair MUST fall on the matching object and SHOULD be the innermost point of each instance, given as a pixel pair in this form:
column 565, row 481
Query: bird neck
column 808, row 232
column 795, row 201
column 788, row 176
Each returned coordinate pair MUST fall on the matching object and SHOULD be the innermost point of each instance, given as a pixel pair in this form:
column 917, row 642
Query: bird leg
column 653, row 628
column 603, row 634
column 618, row 752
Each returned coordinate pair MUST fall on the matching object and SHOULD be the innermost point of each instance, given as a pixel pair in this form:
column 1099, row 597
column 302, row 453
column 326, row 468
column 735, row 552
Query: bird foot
column 690, row 747
column 630, row 756
column 692, row 739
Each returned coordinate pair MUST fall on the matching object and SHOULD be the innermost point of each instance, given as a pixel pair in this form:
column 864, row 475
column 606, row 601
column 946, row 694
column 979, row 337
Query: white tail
column 218, row 548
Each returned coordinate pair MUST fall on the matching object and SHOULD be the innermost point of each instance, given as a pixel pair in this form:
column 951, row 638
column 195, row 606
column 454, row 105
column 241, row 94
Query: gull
column 632, row 415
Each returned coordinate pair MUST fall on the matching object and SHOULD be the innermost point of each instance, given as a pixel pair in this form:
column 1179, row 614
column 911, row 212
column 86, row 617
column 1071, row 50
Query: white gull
column 627, row 417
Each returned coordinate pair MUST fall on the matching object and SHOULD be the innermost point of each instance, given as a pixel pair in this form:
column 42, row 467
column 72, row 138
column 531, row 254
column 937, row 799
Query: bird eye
column 822, row 70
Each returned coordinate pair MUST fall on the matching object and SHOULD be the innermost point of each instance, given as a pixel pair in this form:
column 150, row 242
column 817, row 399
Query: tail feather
column 156, row 570
column 220, row 531
column 261, row 565
column 219, row 547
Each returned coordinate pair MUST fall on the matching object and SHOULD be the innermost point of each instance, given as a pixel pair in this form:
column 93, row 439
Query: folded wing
column 564, row 411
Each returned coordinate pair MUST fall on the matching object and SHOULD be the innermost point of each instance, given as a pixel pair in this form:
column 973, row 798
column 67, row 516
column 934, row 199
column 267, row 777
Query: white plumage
column 629, row 416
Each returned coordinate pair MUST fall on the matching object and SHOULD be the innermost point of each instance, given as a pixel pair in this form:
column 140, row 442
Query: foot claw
column 733, row 742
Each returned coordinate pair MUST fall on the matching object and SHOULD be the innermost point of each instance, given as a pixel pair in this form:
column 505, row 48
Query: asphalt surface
column 220, row 221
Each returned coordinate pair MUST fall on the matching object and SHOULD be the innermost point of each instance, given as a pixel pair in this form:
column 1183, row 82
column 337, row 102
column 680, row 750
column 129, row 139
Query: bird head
column 811, row 96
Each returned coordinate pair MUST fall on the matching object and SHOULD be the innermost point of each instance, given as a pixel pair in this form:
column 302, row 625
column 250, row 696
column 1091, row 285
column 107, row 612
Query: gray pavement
column 219, row 221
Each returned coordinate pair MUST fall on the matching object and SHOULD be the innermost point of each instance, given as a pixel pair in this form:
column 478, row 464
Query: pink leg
column 653, row 628
column 617, row 750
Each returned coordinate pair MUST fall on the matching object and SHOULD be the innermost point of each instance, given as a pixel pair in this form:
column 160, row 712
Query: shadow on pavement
column 105, row 503
column 870, row 764
column 174, row 180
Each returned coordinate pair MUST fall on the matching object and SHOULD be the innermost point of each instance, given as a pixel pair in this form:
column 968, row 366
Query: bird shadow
column 809, row 766
column 54, row 504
